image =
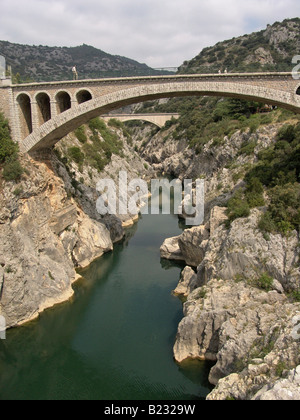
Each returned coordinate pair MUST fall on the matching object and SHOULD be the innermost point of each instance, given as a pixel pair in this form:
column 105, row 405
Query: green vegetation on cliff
column 9, row 162
column 271, row 49
column 205, row 118
column 97, row 144
column 272, row 180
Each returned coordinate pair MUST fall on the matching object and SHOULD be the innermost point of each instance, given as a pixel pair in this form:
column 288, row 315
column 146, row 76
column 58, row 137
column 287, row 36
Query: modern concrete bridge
column 41, row 114
column 156, row 119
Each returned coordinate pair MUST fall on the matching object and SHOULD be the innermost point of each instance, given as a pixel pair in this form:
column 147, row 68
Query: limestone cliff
column 241, row 283
column 45, row 235
column 49, row 226
column 233, row 316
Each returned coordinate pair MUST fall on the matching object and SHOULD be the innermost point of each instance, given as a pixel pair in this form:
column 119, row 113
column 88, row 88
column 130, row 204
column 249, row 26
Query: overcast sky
column 160, row 33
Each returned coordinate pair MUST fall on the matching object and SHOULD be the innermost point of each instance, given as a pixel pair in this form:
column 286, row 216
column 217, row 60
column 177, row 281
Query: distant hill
column 269, row 50
column 42, row 63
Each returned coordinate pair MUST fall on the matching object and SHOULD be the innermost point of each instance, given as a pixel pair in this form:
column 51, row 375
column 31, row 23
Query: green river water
column 114, row 340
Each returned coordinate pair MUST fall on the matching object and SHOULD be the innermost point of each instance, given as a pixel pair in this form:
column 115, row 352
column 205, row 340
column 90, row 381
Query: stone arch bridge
column 41, row 114
column 157, row 119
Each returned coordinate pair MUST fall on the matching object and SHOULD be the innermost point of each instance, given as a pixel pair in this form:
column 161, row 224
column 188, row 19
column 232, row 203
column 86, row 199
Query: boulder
column 93, row 241
column 188, row 282
column 192, row 244
column 170, row 249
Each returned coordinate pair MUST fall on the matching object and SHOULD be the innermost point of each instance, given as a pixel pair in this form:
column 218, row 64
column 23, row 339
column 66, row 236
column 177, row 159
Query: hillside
column 271, row 49
column 42, row 63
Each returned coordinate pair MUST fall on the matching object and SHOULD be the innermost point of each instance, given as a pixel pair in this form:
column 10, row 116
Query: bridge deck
column 209, row 76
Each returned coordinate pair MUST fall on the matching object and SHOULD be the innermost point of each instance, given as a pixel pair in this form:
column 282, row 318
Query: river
column 114, row 340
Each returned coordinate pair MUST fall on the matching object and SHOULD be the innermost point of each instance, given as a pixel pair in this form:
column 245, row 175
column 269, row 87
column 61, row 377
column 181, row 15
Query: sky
column 160, row 33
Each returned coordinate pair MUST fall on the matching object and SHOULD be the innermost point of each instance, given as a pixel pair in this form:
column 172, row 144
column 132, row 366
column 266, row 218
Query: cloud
column 158, row 32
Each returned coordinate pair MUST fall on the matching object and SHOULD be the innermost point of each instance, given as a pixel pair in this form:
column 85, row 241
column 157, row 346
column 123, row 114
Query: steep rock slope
column 49, row 225
column 271, row 49
column 242, row 281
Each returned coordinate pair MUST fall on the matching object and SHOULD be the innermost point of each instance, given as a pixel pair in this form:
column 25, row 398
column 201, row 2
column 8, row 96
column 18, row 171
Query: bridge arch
column 43, row 107
column 298, row 91
column 60, row 126
column 144, row 119
column 157, row 119
column 84, row 95
column 23, row 101
column 63, row 101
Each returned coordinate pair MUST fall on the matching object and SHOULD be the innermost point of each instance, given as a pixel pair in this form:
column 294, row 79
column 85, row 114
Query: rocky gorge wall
column 49, row 227
column 238, row 283
column 229, row 316
column 45, row 235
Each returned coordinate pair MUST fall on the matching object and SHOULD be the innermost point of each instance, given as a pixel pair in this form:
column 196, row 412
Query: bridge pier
column 53, row 107
column 35, row 115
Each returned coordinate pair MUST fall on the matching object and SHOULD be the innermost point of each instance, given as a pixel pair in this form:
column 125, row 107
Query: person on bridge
column 75, row 74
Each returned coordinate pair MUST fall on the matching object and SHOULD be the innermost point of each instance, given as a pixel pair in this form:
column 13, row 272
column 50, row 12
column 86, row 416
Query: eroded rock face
column 242, row 329
column 170, row 249
column 192, row 244
column 44, row 236
column 282, row 390
column 243, row 252
column 232, row 320
column 188, row 282
column 93, row 241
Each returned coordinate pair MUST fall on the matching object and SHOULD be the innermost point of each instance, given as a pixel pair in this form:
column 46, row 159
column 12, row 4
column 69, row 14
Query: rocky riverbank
column 240, row 283
column 45, row 235
column 232, row 317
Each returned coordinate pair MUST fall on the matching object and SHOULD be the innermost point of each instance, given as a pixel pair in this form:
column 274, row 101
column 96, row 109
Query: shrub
column 287, row 133
column 12, row 170
column 93, row 157
column 111, row 144
column 113, row 122
column 267, row 224
column 283, row 213
column 265, row 282
column 97, row 125
column 296, row 295
column 254, row 193
column 7, row 147
column 81, row 135
column 237, row 206
column 247, row 148
column 285, row 207
column 76, row 155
